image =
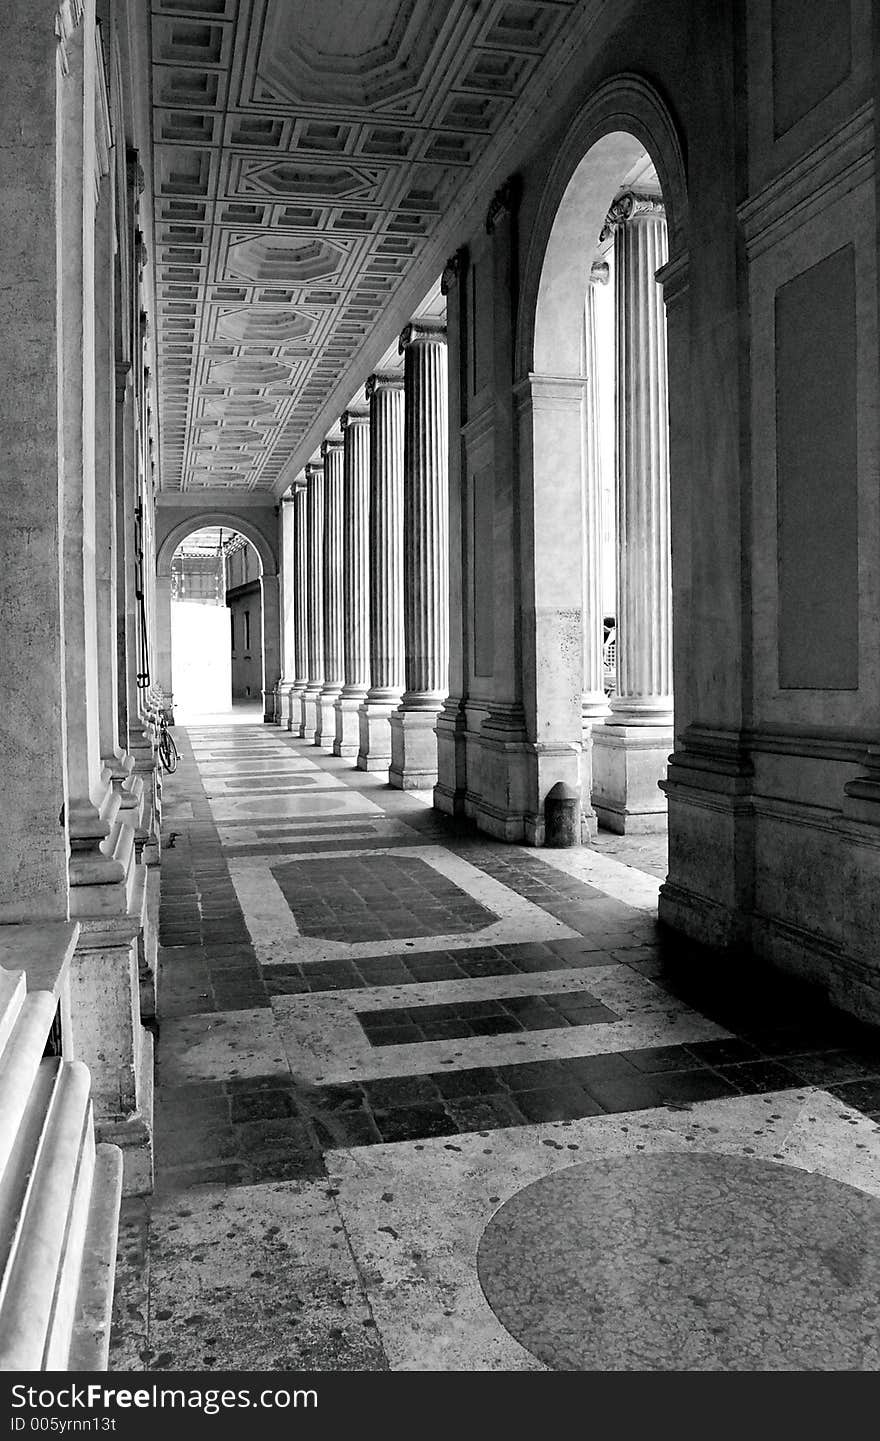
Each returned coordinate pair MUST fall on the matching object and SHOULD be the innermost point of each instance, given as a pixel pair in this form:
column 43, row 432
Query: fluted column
column 387, row 676
column 300, row 605
column 425, row 556
column 639, row 726
column 355, row 579
column 334, row 605
column 288, row 608
column 311, row 704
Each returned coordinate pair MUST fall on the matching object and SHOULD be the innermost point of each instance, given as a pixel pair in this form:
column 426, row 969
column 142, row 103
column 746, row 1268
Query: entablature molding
column 821, row 177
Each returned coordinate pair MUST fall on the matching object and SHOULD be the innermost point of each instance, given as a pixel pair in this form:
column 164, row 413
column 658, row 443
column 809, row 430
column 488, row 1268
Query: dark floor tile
column 627, row 1093
column 385, row 1095
column 558, row 1103
column 534, row 1075
column 429, row 968
column 656, row 1059
column 485, row 1113
column 475, row 1082
column 688, row 1087
column 862, row 1095
column 262, row 1105
column 831, row 1067
column 411, row 1123
column 723, row 1052
column 751, row 1077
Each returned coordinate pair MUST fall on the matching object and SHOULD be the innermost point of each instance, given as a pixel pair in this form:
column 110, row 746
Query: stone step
column 19, row 1063
column 42, row 1268
column 90, row 1344
column 13, row 989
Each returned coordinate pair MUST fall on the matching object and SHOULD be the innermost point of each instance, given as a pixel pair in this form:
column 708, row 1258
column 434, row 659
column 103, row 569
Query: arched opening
column 593, row 356
column 217, row 620
column 216, row 625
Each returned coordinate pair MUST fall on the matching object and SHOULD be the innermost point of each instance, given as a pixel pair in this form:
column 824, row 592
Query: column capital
column 329, row 444
column 421, row 332
column 288, row 497
column 631, row 205
column 453, row 270
column 383, row 380
column 355, row 415
column 68, row 14
column 504, row 203
column 600, row 272
column 314, row 469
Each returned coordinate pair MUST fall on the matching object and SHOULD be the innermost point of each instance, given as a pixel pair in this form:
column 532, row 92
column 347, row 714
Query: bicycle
column 168, row 754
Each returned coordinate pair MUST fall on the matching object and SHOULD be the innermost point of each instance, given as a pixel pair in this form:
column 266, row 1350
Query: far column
column 300, row 605
column 425, row 557
column 387, row 675
column 334, row 612
column 630, row 750
column 355, row 579
column 311, row 701
column 288, row 609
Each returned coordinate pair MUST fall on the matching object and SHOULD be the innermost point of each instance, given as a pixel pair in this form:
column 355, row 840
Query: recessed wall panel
column 816, row 472
column 812, row 54
column 483, row 491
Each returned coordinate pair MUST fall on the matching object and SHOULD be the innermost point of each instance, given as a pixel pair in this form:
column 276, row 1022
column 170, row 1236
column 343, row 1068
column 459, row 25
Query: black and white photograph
column 440, row 677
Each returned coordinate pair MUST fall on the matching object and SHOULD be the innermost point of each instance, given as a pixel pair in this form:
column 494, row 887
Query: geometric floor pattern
column 410, row 1081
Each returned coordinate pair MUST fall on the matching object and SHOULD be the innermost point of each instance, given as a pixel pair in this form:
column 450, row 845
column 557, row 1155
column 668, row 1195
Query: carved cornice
column 422, row 332
column 383, row 380
column 68, row 15
column 453, row 270
column 504, row 203
column 600, row 272
column 631, row 205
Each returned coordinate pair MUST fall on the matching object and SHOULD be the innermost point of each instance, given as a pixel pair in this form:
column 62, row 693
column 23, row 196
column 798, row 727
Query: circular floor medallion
column 688, row 1263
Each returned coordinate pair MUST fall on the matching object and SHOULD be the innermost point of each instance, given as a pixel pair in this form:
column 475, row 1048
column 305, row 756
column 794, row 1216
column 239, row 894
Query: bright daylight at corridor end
column 440, row 531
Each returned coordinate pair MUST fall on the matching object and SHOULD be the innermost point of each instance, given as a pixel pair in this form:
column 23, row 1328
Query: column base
column 348, row 732
column 325, row 729
column 413, row 750
column 451, row 788
column 629, row 763
column 374, row 723
column 310, row 717
column 294, row 709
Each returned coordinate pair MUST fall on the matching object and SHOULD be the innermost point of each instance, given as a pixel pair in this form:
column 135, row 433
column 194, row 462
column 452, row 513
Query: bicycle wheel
column 167, row 751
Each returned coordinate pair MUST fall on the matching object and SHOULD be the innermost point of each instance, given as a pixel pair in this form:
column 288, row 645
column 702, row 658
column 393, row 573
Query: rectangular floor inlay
column 542, row 1012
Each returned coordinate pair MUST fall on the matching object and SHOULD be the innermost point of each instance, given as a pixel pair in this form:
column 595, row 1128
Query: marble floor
column 425, row 1101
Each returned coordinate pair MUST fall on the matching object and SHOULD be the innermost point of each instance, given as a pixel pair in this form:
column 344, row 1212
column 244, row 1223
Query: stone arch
column 624, row 118
column 266, row 547
column 626, row 114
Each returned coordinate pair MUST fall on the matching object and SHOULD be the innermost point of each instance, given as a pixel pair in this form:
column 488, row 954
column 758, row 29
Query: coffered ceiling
column 311, row 161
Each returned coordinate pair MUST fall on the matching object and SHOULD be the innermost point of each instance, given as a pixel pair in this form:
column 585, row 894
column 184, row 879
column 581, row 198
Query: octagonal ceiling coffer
column 276, row 257
column 258, row 322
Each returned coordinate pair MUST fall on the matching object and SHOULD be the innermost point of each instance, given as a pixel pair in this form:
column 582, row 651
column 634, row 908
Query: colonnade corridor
column 387, row 1047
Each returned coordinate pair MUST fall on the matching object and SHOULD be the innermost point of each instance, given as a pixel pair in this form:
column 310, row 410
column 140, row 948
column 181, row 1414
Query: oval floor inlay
column 688, row 1262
